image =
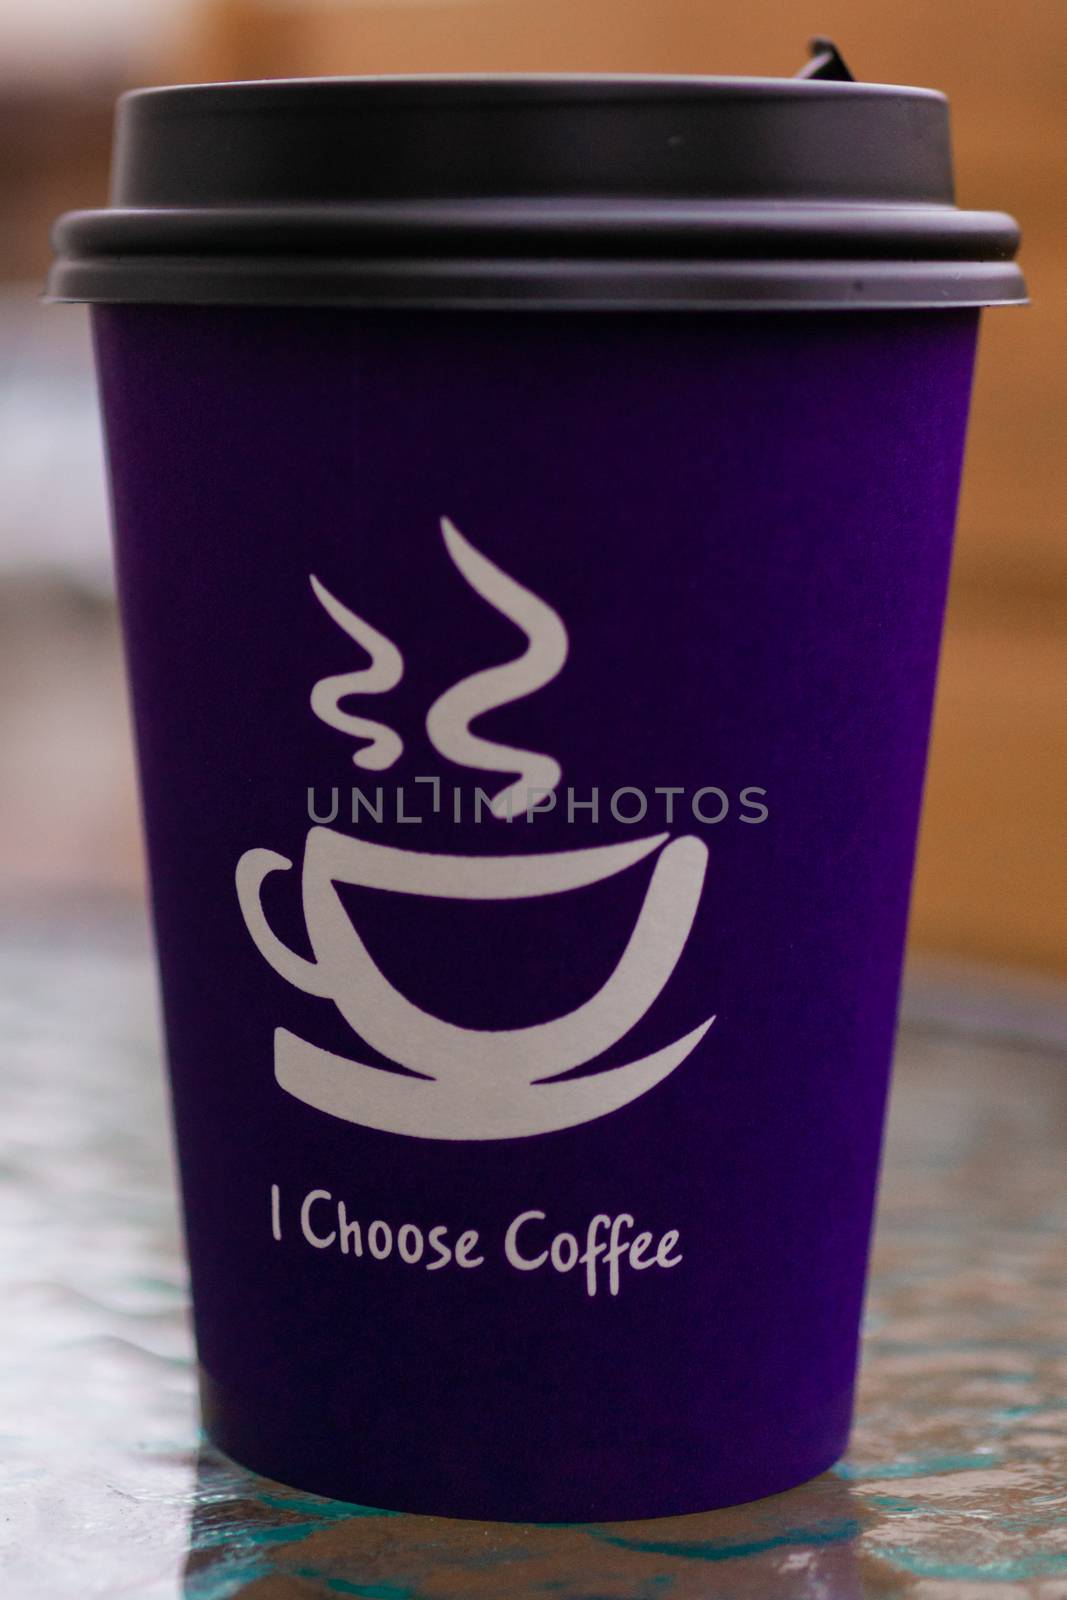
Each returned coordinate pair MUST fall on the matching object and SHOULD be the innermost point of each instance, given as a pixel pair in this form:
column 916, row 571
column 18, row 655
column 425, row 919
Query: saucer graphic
column 457, row 1082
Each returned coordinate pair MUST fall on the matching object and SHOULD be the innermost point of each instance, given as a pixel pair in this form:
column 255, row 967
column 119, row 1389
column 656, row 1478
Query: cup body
column 529, row 1160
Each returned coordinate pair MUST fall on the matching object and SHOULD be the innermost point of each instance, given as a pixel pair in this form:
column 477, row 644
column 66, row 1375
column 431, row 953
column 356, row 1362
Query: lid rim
column 717, row 230
column 539, row 285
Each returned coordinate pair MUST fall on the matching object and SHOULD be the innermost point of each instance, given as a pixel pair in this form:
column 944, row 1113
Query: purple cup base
column 602, row 1486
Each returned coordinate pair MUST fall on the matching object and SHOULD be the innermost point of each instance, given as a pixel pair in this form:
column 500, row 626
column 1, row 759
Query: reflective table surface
column 955, row 1487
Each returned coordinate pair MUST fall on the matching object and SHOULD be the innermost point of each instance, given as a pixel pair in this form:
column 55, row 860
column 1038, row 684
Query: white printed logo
column 458, row 1082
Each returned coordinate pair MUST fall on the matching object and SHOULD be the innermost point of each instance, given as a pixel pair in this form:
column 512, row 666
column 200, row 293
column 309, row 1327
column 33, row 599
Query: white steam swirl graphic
column 448, row 719
column 385, row 672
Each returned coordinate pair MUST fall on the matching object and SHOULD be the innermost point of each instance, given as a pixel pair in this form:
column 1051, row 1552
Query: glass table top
column 955, row 1486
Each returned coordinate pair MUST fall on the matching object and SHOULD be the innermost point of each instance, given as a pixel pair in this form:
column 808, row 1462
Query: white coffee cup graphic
column 472, row 1083
column 457, row 1082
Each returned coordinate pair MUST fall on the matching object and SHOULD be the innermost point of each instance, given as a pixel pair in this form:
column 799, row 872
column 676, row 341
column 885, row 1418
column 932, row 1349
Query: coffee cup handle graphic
column 252, row 869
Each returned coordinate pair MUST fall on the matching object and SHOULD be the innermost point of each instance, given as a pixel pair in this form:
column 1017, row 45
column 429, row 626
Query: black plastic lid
column 541, row 192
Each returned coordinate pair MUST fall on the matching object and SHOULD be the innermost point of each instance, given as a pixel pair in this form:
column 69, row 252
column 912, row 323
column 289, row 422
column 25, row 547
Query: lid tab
column 827, row 63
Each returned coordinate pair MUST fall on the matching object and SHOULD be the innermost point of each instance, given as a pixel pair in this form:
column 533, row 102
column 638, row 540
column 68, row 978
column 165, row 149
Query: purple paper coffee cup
column 532, row 531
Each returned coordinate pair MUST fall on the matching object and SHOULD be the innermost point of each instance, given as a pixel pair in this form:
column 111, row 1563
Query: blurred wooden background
column 992, row 879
